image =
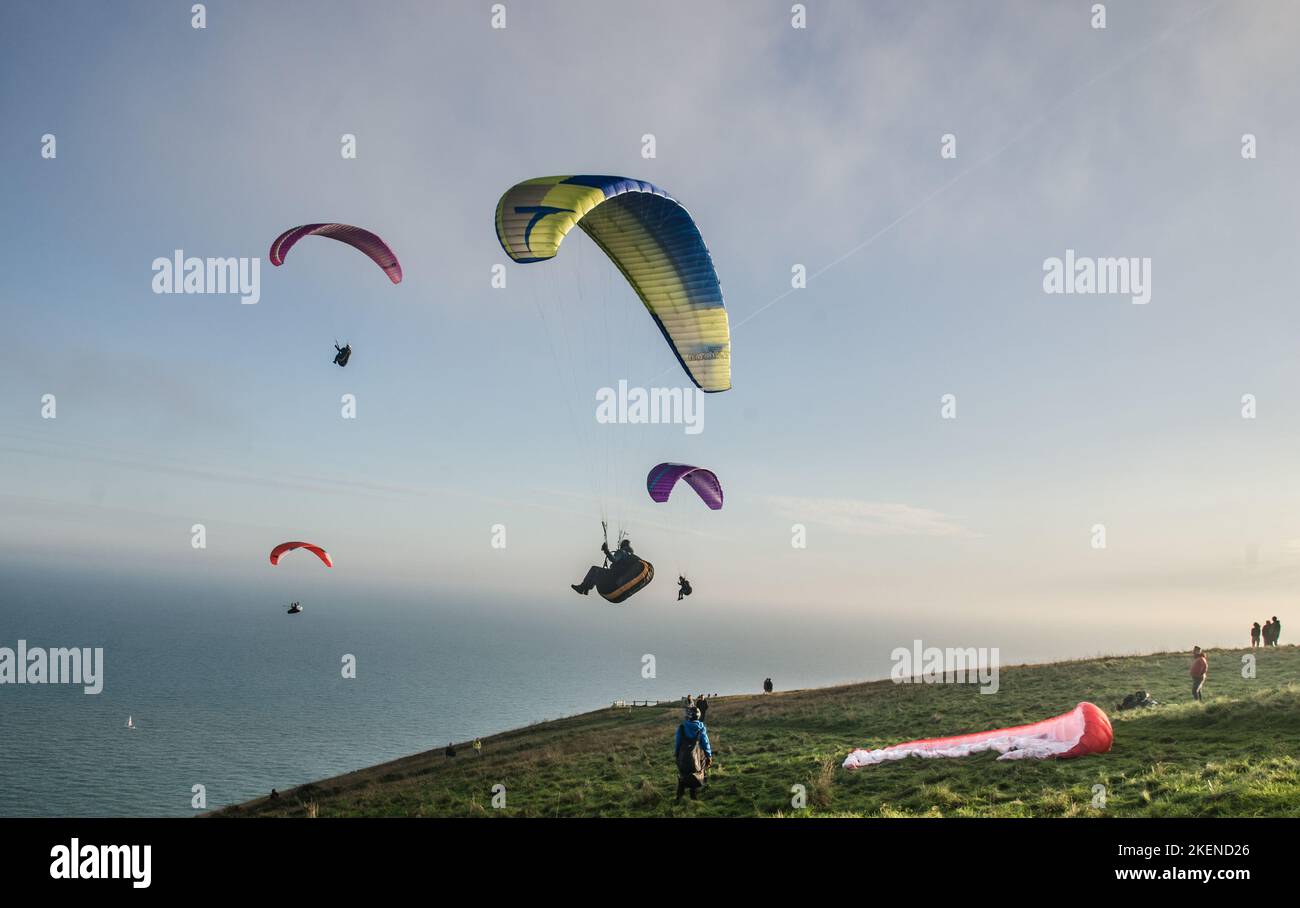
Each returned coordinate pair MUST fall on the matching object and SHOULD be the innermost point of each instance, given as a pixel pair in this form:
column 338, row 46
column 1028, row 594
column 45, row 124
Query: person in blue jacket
column 692, row 753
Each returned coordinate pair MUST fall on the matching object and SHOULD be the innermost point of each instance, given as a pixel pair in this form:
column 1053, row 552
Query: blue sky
column 816, row 146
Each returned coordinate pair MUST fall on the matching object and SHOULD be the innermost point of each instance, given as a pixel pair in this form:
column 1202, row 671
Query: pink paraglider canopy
column 1083, row 730
column 356, row 237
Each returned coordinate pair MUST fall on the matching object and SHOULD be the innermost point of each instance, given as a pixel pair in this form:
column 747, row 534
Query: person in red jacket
column 1200, row 668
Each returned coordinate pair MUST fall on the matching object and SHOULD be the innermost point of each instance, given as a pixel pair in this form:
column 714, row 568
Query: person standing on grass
column 703, row 706
column 692, row 753
column 1254, row 635
column 1277, row 630
column 1200, row 668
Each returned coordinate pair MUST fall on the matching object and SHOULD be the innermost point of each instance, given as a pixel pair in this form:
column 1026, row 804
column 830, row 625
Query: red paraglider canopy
column 290, row 546
column 1083, row 730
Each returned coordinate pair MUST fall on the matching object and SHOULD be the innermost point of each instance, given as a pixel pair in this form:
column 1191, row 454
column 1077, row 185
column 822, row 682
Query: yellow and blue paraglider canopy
column 652, row 240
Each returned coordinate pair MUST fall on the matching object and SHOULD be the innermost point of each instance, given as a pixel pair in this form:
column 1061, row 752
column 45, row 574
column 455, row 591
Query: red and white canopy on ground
column 1083, row 730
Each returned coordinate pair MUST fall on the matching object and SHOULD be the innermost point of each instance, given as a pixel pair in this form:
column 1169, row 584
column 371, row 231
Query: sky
column 817, row 146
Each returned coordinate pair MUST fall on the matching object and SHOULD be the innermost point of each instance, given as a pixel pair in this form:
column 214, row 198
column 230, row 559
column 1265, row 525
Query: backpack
column 1138, row 699
column 690, row 757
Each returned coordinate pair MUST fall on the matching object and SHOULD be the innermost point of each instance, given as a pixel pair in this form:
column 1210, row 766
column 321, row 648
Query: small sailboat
column 130, row 724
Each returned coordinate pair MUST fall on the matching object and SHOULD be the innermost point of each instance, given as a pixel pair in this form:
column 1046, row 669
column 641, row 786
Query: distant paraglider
column 369, row 243
column 358, row 238
column 277, row 552
column 661, row 479
column 316, row 550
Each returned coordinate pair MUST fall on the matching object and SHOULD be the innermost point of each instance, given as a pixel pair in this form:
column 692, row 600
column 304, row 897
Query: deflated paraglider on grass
column 1083, row 730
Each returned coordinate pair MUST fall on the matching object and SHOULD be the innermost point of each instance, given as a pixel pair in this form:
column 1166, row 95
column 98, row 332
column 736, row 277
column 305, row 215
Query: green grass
column 1235, row 754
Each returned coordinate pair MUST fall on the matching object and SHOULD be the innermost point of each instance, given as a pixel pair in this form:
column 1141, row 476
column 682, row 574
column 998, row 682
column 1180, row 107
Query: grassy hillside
column 1235, row 754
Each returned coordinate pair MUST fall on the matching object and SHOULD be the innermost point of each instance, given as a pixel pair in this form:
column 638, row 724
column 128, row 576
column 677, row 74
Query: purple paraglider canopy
column 659, row 483
column 356, row 237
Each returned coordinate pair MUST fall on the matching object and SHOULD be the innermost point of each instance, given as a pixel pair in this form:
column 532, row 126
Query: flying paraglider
column 358, row 238
column 342, row 354
column 650, row 238
column 316, row 550
column 622, row 576
column 294, row 608
column 660, row 480
column 1083, row 730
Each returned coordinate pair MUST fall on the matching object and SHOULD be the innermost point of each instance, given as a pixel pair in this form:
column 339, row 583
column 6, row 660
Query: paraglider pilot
column 342, row 354
column 597, row 574
column 683, row 587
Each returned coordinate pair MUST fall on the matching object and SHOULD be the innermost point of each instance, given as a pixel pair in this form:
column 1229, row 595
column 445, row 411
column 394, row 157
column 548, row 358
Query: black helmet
column 625, row 544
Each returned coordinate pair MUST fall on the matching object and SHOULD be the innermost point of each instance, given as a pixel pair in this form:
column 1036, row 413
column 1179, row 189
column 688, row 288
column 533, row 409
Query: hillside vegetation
column 1235, row 754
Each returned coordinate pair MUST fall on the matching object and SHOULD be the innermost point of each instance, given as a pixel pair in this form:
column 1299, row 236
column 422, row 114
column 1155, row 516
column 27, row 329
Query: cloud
column 869, row 518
